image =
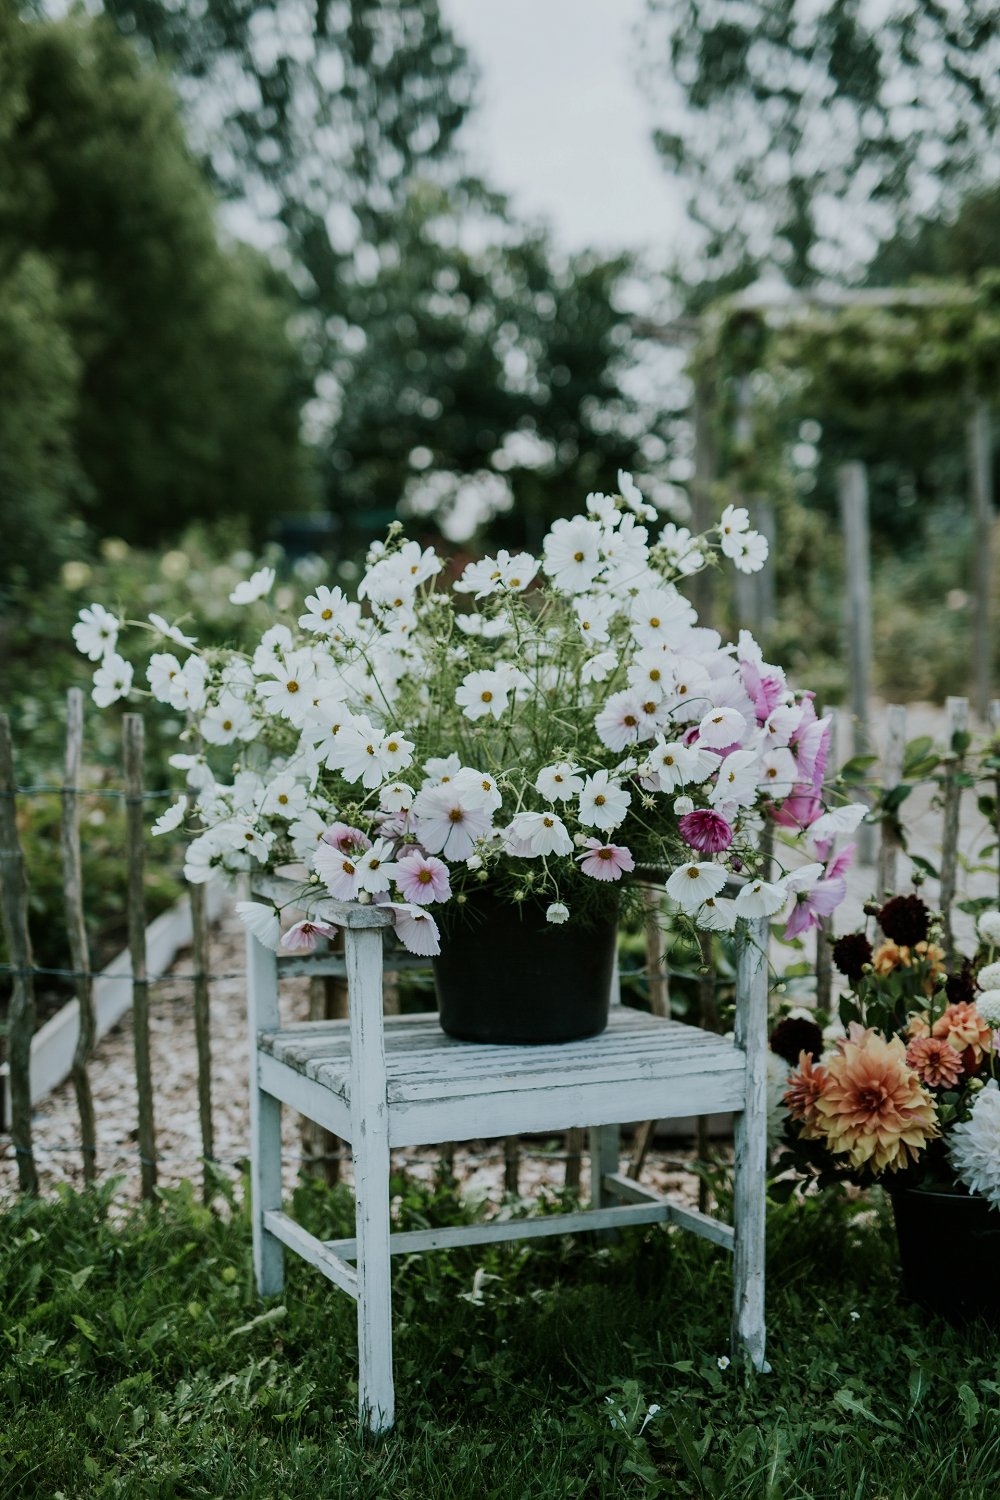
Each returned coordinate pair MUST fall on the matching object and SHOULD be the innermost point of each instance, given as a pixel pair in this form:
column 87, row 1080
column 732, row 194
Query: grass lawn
column 136, row 1361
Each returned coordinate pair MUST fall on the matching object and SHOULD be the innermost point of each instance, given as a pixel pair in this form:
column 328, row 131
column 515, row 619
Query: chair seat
column 641, row 1067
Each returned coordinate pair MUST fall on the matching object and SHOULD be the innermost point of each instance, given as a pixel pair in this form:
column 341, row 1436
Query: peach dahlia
column 872, row 1106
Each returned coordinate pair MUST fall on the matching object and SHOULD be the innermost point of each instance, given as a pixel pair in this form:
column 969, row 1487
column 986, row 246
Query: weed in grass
column 136, row 1361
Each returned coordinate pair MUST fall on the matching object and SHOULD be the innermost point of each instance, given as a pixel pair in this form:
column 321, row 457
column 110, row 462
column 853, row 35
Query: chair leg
column 376, row 1396
column 604, row 1146
column 265, row 1189
column 748, row 1331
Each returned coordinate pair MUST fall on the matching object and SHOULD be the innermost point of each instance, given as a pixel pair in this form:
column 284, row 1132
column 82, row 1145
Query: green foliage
column 138, row 1362
column 156, row 382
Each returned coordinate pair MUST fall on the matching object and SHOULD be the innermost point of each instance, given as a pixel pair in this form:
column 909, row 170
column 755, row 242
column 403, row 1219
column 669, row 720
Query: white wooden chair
column 400, row 1082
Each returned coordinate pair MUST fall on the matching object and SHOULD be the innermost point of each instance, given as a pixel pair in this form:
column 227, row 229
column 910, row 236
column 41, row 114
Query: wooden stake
column 133, row 746
column 852, row 485
column 76, row 932
column 203, row 1032
column 511, row 1164
column 892, row 775
column 958, row 723
column 21, row 1017
column 575, row 1140
column 702, row 591
column 824, row 964
column 981, row 481
column 994, row 718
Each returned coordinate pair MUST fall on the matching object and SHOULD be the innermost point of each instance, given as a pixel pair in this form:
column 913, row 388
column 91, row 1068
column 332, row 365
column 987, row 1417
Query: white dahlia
column 975, row 1146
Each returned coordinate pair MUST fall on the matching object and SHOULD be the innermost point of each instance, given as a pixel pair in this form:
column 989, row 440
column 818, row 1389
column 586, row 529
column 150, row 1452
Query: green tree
column 178, row 385
column 807, row 135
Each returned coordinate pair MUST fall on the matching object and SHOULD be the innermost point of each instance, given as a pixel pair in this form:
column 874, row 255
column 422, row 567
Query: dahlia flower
column 963, row 1026
column 975, row 1146
column 802, row 1094
column 935, row 1061
column 872, row 1107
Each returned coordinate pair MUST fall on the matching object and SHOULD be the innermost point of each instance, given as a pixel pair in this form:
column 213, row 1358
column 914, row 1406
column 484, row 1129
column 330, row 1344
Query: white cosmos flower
column 681, row 549
column 752, row 553
column 160, row 673
column 450, row 820
column 172, row 818
column 975, row 1145
column 284, row 797
column 602, row 508
column 626, row 553
column 761, row 898
column 778, row 772
column 337, row 870
column 632, row 495
column 396, row 797
column 838, row 820
column 593, row 612
column 658, row 616
column 96, row 632
column 189, row 686
column 262, row 921
column 682, row 805
column 736, row 783
column 478, row 786
column 376, row 872
column 196, row 768
column 274, row 646
column 693, row 883
column 500, row 574
column 603, row 802
column 716, row 914
column 440, row 768
column 541, row 832
column 572, row 554
column 306, row 832
column 651, row 672
column 172, row 633
column 622, row 721
column 482, row 693
column 721, row 727
column 673, row 764
column 557, row 913
column 255, row 587
column 112, row 680
column 733, row 523
column 228, row 720
column 288, row 692
column 482, row 626
column 559, row 782
column 596, row 668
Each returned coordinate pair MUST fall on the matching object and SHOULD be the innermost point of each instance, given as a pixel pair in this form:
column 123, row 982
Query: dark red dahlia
column 794, row 1035
column 906, row 920
column 961, row 987
column 850, row 954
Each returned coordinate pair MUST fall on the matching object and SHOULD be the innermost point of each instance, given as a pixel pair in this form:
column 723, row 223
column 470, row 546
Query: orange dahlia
column 889, row 956
column 962, row 1026
column 804, row 1088
column 872, row 1106
column 935, row 1061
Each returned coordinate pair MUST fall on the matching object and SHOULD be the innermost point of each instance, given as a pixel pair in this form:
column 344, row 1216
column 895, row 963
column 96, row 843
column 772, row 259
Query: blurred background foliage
column 395, row 340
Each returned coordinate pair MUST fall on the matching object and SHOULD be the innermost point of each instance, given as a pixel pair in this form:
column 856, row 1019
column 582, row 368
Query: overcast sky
column 562, row 125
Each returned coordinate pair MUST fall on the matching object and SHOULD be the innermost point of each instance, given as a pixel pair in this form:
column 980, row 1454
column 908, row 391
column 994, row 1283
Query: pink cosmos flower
column 822, row 898
column 706, row 830
column 811, row 746
column 304, row 936
column 347, row 839
column 415, row 928
column 423, row 879
column 605, row 861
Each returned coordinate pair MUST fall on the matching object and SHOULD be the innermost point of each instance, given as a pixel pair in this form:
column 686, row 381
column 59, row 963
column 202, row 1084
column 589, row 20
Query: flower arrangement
column 547, row 726
column 907, row 1089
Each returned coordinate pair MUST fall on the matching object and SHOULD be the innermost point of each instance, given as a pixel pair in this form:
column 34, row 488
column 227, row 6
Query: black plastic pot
column 505, row 975
column 949, row 1251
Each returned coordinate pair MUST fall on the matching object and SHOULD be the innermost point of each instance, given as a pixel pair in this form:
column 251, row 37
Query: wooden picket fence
column 327, row 997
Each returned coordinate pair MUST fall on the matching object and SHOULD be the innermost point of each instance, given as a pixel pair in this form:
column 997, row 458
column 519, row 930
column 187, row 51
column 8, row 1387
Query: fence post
column 852, row 487
column 994, row 717
column 892, row 774
column 981, row 478
column 958, row 723
column 76, row 931
column 701, row 492
column 203, row 1032
column 133, row 746
column 21, row 1018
